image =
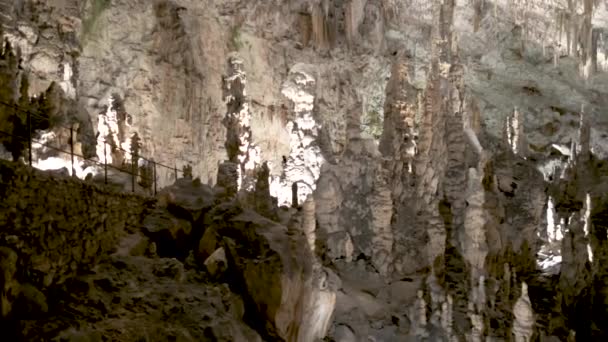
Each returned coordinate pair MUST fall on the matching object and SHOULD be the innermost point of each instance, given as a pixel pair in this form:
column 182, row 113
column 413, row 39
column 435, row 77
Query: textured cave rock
column 164, row 303
column 440, row 166
column 275, row 269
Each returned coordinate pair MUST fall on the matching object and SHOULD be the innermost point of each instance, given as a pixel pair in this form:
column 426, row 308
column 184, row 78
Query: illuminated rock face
column 237, row 121
column 303, row 164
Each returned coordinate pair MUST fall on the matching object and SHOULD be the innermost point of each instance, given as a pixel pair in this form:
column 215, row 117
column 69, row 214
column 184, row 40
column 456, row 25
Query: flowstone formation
column 375, row 170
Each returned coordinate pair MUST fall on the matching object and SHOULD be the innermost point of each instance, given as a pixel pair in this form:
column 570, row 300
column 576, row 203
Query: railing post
column 72, row 149
column 154, row 175
column 105, row 163
column 29, row 136
column 133, row 168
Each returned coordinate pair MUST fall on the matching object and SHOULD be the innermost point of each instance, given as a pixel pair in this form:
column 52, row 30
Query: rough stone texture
column 436, row 133
column 228, row 178
column 101, row 290
column 69, row 223
column 134, row 298
column 274, row 270
column 188, row 199
column 167, row 72
column 237, row 122
column 177, row 224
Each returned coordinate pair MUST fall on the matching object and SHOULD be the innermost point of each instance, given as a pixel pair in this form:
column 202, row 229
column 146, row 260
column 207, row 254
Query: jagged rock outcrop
column 165, row 300
column 291, row 299
column 178, row 225
column 188, row 199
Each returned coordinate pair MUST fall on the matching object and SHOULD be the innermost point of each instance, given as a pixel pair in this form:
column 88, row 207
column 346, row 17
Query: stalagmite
column 237, row 122
column 481, row 293
column 474, row 240
column 303, row 165
column 476, row 324
column 584, row 135
column 447, row 317
column 523, row 324
column 420, row 314
column 383, row 240
column 308, row 222
column 263, row 201
column 228, row 178
column 507, row 279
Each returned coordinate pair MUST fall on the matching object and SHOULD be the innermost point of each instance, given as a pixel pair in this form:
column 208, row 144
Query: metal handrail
column 72, row 154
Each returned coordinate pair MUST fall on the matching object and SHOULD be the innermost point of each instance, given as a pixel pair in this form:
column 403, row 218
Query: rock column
column 238, row 144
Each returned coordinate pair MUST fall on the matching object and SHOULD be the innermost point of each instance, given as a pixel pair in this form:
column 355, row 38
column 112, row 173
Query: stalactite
column 586, row 40
column 355, row 12
column 478, row 6
column 569, row 38
column 320, row 29
column 594, row 37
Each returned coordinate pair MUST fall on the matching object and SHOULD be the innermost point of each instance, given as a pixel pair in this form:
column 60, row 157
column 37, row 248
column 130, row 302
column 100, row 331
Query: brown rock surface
column 274, row 269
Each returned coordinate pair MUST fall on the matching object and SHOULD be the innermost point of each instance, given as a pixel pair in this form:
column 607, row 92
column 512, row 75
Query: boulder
column 170, row 268
column 344, row 333
column 73, row 335
column 216, row 263
column 116, row 180
column 187, row 199
column 9, row 287
column 63, row 172
column 207, row 245
column 133, row 244
column 30, row 303
column 171, row 235
column 292, row 299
